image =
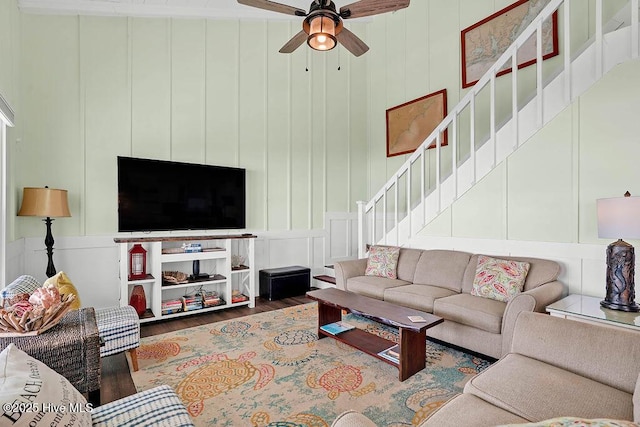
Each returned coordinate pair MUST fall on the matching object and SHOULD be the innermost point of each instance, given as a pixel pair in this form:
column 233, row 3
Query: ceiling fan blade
column 274, row 7
column 352, row 42
column 294, row 43
column 371, row 7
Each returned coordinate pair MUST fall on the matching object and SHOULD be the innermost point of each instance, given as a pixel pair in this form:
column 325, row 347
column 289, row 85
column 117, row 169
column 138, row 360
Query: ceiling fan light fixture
column 322, row 33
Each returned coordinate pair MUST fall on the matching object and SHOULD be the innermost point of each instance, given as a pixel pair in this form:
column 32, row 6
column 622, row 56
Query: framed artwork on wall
column 409, row 124
column 485, row 41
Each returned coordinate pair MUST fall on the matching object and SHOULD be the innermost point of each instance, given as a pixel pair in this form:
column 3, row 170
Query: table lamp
column 620, row 217
column 45, row 202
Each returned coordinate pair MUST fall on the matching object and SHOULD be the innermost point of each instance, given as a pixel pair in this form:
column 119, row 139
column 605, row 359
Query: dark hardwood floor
column 116, row 381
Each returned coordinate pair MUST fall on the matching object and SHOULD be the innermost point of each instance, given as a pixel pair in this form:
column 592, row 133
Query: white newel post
column 361, row 228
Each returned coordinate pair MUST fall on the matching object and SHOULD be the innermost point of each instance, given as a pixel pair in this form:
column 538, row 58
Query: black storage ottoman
column 277, row 283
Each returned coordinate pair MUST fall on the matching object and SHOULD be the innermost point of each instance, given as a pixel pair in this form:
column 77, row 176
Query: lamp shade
column 619, row 217
column 322, row 33
column 44, row 202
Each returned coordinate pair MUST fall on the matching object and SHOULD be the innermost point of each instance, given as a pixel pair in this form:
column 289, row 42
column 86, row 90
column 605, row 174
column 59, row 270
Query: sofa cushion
column 383, row 261
column 470, row 411
column 541, row 271
column 26, row 385
column 352, row 418
column 372, row 286
column 536, row 391
column 407, row 262
column 499, row 279
column 478, row 312
column 565, row 348
column 441, row 268
column 636, row 401
column 575, row 422
column 419, row 297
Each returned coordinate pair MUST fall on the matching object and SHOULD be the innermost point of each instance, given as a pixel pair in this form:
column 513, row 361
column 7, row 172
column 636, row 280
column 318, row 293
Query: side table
column 71, row 348
column 588, row 309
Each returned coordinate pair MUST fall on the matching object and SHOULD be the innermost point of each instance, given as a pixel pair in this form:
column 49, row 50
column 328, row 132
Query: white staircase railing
column 483, row 129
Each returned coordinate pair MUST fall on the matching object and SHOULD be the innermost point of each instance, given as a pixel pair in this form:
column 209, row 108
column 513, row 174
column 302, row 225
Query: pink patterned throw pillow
column 383, row 261
column 499, row 279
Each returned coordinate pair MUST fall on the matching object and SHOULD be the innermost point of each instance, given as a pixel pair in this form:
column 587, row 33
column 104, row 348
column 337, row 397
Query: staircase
column 325, row 280
column 497, row 116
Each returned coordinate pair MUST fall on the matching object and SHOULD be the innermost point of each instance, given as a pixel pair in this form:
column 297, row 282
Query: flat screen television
column 156, row 195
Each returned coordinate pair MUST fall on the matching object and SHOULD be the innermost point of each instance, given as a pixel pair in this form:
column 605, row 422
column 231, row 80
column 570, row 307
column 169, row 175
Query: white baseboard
column 92, row 261
column 583, row 265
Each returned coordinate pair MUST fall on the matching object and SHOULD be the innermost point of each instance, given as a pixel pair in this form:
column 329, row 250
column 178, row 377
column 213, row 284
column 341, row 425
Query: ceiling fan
column 322, row 27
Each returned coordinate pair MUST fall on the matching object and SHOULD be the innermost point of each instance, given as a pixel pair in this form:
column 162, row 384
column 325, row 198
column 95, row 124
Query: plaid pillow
column 24, row 284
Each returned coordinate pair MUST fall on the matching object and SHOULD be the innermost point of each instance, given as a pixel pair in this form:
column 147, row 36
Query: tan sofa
column 440, row 282
column 556, row 368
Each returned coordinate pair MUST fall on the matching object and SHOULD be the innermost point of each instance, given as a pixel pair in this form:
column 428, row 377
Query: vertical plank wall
column 10, row 90
column 542, row 192
column 194, row 90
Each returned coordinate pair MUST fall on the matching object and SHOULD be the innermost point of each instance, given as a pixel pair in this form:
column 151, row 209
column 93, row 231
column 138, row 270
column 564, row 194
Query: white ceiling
column 158, row 8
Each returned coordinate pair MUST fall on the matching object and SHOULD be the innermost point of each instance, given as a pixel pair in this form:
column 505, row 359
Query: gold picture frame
column 409, row 124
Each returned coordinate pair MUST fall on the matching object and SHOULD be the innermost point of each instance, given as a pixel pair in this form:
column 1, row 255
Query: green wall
column 416, row 51
column 10, row 90
column 204, row 91
column 546, row 191
column 217, row 92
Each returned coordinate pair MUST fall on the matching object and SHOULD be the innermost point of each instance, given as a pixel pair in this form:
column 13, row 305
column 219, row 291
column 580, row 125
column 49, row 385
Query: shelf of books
column 391, row 354
column 362, row 340
column 192, row 274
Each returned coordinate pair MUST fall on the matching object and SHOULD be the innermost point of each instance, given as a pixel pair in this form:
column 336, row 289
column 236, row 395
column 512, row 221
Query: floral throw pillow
column 499, row 279
column 383, row 261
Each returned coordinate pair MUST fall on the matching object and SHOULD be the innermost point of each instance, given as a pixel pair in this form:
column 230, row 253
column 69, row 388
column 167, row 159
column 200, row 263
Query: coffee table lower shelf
column 363, row 341
column 412, row 337
column 410, row 344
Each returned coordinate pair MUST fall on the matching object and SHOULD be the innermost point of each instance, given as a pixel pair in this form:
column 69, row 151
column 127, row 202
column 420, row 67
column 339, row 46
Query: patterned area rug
column 270, row 369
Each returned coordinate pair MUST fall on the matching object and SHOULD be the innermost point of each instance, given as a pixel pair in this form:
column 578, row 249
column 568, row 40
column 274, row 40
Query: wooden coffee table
column 412, row 337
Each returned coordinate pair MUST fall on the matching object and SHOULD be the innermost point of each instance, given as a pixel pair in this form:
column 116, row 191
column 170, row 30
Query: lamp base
column 620, row 307
column 620, row 277
column 48, row 242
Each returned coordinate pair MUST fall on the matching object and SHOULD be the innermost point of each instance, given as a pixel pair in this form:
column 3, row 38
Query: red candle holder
column 138, row 300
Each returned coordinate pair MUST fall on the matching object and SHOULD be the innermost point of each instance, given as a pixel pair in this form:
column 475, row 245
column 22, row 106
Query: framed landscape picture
column 409, row 124
column 484, row 42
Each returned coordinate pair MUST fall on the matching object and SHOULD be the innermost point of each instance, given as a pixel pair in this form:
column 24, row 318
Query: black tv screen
column 158, row 195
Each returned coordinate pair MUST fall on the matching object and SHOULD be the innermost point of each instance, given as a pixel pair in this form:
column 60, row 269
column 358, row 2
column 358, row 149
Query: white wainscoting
column 14, row 261
column 583, row 265
column 92, row 262
column 342, row 229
